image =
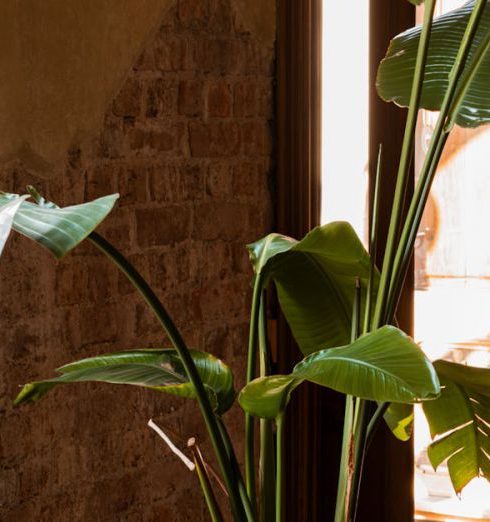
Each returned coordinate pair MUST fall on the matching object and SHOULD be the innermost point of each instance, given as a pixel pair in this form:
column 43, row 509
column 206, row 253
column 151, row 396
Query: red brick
column 128, row 100
column 193, row 14
column 162, row 226
column 100, row 181
column 247, row 180
column 161, row 98
column 256, row 139
column 245, row 99
column 170, row 269
column 158, row 140
column 218, row 180
column 171, row 183
column 225, row 221
column 170, row 54
column 218, row 56
column 219, row 100
column 220, row 16
column 191, row 100
column 133, row 185
column 84, row 279
column 214, row 140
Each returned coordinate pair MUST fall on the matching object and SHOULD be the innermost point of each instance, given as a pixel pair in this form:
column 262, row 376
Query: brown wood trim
column 298, row 118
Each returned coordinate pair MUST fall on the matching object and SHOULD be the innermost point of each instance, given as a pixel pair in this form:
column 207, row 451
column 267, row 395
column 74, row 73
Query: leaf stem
column 251, row 363
column 205, row 482
column 373, row 241
column 229, row 477
column 346, row 464
column 280, row 440
column 267, row 477
column 374, row 422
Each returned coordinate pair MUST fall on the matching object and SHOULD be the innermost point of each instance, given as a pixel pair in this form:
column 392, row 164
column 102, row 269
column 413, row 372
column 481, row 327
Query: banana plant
column 339, row 302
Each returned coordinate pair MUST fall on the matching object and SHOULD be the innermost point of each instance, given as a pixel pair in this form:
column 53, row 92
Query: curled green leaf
column 159, row 370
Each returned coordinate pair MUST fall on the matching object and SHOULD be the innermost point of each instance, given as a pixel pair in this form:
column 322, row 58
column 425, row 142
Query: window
column 452, row 292
column 452, row 261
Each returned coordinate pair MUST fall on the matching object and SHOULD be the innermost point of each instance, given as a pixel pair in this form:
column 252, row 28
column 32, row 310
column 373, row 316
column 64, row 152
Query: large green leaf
column 267, row 397
column 315, row 280
column 460, row 418
column 58, row 229
column 385, row 365
column 160, row 370
column 394, row 80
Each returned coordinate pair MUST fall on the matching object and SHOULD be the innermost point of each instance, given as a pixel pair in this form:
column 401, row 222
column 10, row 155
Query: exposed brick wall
column 187, row 142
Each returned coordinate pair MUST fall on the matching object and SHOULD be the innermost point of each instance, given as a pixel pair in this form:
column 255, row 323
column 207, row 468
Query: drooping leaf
column 315, row 280
column 59, row 229
column 396, row 70
column 385, row 365
column 399, row 418
column 267, row 397
column 416, row 2
column 7, row 215
column 460, row 419
column 160, row 370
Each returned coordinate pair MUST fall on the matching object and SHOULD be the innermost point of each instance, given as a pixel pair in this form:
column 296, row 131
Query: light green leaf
column 315, row 280
column 267, row 397
column 159, row 370
column 396, row 70
column 59, row 229
column 399, row 418
column 385, row 365
column 416, row 2
column 7, row 215
column 460, row 419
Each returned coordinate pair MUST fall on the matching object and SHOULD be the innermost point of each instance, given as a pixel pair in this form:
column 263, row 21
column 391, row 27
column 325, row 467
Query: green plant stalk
column 267, row 478
column 405, row 161
column 398, row 278
column 280, row 440
column 236, row 469
column 206, row 486
column 251, row 363
column 346, row 468
column 374, row 422
column 229, row 477
column 344, row 475
column 373, row 241
column 360, row 430
column 417, row 205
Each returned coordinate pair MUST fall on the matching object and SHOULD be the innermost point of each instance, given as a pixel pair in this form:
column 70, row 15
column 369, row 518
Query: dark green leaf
column 160, row 370
column 315, row 280
column 395, row 72
column 267, row 397
column 460, row 419
column 385, row 365
column 59, row 229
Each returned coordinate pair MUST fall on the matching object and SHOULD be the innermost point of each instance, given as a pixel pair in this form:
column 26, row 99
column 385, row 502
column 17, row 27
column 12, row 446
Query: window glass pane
column 452, row 292
column 345, row 113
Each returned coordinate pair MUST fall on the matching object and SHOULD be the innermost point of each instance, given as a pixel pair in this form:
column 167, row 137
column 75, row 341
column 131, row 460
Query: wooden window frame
column 315, row 415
